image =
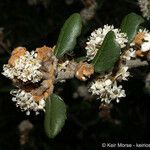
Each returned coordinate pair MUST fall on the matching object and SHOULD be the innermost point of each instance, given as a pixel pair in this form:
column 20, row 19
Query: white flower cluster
column 26, row 68
column 106, row 87
column 97, row 37
column 107, row 90
column 128, row 54
column 26, row 102
column 145, row 8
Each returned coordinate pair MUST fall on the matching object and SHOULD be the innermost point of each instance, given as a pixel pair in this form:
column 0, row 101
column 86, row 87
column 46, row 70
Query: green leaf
column 107, row 54
column 55, row 115
column 130, row 25
column 68, row 35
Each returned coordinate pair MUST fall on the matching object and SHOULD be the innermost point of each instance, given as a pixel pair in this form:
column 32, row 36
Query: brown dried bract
column 44, row 53
column 45, row 89
column 139, row 38
column 16, row 53
column 84, row 70
column 139, row 53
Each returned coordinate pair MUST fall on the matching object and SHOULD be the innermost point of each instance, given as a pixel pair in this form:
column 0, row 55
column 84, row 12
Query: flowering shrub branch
column 110, row 54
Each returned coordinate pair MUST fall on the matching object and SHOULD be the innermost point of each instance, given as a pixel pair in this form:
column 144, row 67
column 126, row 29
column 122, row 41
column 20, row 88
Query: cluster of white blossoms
column 106, row 87
column 97, row 37
column 26, row 68
column 26, row 102
column 145, row 8
column 107, row 90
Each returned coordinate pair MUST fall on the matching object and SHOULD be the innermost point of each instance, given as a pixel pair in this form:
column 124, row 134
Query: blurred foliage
column 86, row 127
column 130, row 25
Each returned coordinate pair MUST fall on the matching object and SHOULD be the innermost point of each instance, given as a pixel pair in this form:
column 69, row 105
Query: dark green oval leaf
column 107, row 54
column 68, row 35
column 55, row 115
column 130, row 25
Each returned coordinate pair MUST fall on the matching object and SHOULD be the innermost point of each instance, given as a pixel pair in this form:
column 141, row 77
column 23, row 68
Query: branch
column 136, row 63
column 66, row 73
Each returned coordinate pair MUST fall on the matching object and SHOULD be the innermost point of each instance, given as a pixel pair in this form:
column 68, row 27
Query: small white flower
column 97, row 37
column 108, row 82
column 145, row 47
column 26, row 102
column 26, row 68
column 123, row 72
column 146, row 44
column 117, row 91
column 41, row 104
column 145, row 8
column 129, row 54
column 63, row 66
column 8, row 71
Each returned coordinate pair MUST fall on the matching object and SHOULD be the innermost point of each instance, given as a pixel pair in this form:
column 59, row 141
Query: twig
column 136, row 63
column 68, row 73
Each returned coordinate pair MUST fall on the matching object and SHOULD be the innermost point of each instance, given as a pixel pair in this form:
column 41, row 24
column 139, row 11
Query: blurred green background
column 34, row 23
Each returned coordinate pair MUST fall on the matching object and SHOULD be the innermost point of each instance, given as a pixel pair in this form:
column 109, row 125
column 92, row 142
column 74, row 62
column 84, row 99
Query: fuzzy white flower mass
column 107, row 90
column 129, row 54
column 26, row 102
column 26, row 68
column 97, row 37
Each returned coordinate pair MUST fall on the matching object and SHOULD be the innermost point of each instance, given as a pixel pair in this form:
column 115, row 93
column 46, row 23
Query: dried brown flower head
column 84, row 70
